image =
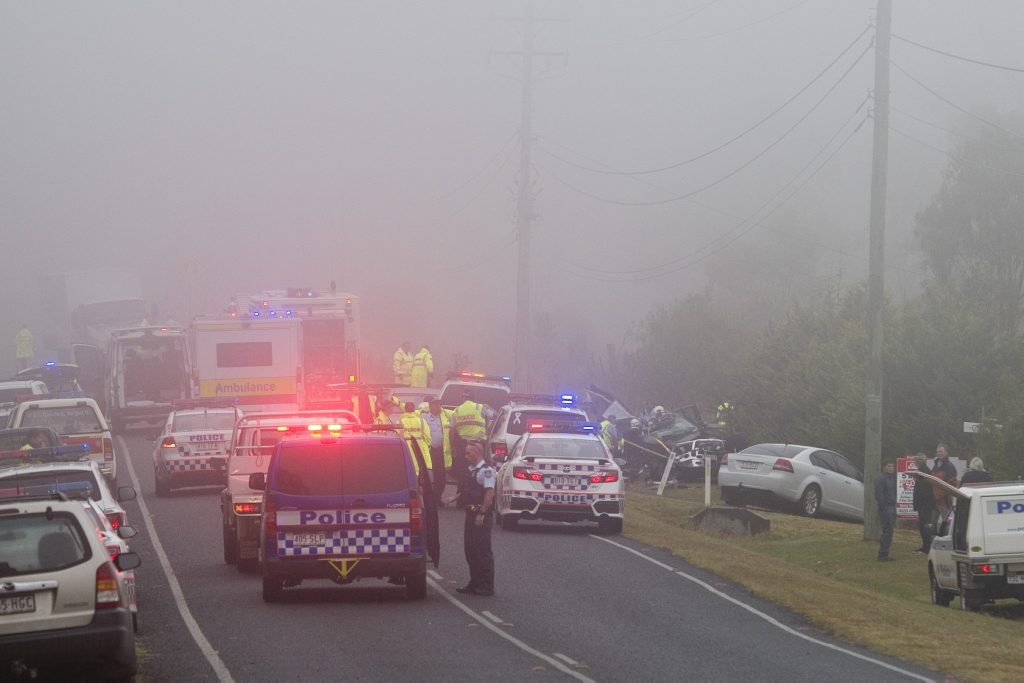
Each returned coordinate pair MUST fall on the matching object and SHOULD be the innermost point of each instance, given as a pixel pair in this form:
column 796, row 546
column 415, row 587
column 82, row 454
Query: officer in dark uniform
column 478, row 497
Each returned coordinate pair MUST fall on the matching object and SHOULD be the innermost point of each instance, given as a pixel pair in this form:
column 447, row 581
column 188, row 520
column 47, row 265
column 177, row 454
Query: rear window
column 64, row 420
column 34, row 543
column 519, row 420
column 11, row 395
column 571, row 449
column 495, row 397
column 777, row 450
column 341, row 468
column 69, row 482
column 195, row 422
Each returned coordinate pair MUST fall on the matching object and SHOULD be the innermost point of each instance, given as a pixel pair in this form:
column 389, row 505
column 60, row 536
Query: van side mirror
column 126, row 561
column 126, row 531
column 258, row 481
column 125, row 493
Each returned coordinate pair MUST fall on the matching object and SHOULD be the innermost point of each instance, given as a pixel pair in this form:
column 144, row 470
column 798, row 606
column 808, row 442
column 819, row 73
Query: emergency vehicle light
column 568, row 399
column 282, row 428
column 526, row 474
column 168, row 442
column 51, row 363
column 604, row 477
column 247, row 508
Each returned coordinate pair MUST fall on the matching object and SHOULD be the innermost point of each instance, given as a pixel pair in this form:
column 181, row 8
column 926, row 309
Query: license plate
column 748, row 465
column 1015, row 578
column 18, row 604
column 564, row 481
column 308, row 539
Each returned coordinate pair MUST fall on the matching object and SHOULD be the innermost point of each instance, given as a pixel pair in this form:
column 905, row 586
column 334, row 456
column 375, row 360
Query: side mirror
column 126, row 561
column 126, row 531
column 258, row 481
column 125, row 493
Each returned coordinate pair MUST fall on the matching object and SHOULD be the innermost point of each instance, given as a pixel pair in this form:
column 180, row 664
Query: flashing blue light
column 588, row 427
column 255, row 314
column 289, row 313
column 85, row 446
column 567, row 399
column 273, row 313
column 50, row 363
column 506, row 378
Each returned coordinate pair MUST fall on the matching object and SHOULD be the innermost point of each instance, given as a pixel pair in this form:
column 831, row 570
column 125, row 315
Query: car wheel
column 970, row 600
column 609, row 525
column 416, row 587
column 273, row 588
column 230, row 545
column 940, row 597
column 163, row 488
column 810, row 501
column 508, row 522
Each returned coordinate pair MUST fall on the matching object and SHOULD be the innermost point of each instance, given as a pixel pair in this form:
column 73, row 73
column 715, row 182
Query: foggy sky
column 374, row 144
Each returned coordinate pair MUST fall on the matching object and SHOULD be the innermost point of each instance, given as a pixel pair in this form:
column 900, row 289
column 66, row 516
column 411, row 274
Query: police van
column 342, row 505
column 978, row 551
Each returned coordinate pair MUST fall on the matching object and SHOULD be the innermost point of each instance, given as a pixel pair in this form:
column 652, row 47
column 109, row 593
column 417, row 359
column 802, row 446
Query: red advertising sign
column 905, row 487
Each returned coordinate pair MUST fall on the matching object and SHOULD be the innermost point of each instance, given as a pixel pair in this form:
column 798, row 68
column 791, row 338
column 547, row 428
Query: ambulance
column 277, row 350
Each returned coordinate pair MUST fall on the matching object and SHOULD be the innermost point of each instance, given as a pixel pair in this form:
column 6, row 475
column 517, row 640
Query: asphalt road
column 568, row 604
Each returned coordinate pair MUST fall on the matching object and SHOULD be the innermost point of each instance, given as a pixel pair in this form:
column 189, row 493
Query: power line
column 956, row 56
column 736, row 170
column 743, row 133
column 953, row 104
column 736, row 232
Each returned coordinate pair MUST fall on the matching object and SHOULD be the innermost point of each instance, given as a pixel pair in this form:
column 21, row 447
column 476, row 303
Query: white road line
column 493, row 617
column 434, row 575
column 211, row 655
column 771, row 620
column 512, row 639
column 566, row 658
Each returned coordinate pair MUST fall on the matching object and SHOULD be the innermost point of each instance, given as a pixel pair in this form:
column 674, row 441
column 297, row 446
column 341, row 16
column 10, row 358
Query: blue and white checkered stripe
column 561, row 468
column 193, row 465
column 348, row 542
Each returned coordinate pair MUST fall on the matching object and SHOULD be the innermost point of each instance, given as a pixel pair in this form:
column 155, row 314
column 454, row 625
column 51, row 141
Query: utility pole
column 876, row 269
column 525, row 213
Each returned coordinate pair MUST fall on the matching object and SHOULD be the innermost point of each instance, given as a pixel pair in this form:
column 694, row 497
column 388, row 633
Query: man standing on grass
column 885, row 497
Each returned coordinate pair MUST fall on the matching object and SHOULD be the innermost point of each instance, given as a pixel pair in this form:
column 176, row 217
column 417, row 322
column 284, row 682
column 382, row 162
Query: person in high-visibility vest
column 24, row 347
column 468, row 424
column 422, row 368
column 438, row 420
column 610, row 434
column 417, row 435
column 401, row 364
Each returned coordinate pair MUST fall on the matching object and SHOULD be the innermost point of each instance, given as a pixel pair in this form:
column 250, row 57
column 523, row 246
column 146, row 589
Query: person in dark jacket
column 923, row 504
column 885, row 497
column 975, row 473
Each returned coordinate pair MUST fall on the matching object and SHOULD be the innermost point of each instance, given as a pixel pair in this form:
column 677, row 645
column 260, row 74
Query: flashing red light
column 986, row 569
column 282, row 428
column 783, row 465
column 247, row 508
column 526, row 474
column 536, row 425
column 499, row 449
column 116, row 519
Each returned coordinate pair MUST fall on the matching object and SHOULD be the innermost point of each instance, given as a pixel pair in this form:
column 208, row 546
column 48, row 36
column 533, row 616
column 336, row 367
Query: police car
column 561, row 472
column 490, row 390
column 342, row 504
column 78, row 421
column 513, row 420
column 253, row 440
column 195, row 433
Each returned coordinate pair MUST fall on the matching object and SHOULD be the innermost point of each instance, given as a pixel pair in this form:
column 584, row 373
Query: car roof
column 204, row 411
column 60, row 402
column 562, row 435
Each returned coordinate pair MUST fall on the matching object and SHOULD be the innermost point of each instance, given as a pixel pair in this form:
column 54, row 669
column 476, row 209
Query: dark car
column 342, row 506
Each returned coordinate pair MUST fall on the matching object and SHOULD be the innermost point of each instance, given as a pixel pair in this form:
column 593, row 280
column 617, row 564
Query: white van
column 978, row 550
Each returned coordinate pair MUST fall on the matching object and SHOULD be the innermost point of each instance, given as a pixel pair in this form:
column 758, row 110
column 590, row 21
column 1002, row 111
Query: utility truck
column 148, row 368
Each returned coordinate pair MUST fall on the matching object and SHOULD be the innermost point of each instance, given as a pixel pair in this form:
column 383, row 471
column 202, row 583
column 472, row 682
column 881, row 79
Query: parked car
column 513, row 420
column 79, row 421
column 17, row 390
column 195, row 433
column 816, row 480
column 115, row 541
column 64, row 606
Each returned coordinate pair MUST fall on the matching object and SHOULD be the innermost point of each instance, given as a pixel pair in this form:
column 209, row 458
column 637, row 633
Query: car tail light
column 108, row 593
column 499, row 449
column 108, row 449
column 168, row 442
column 415, row 512
column 269, row 521
column 116, row 519
column 247, row 508
column 783, row 465
column 604, row 477
column 527, row 474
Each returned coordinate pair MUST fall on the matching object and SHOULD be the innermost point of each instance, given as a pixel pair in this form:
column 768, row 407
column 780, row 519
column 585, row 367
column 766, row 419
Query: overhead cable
column 740, row 135
column 736, row 170
column 953, row 104
column 955, row 56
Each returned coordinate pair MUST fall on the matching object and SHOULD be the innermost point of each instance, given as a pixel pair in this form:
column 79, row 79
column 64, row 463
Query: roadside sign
column 905, row 487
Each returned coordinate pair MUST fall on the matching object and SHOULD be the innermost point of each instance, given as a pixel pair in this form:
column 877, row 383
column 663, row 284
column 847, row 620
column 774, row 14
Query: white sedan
column 816, row 480
column 563, row 476
column 191, row 438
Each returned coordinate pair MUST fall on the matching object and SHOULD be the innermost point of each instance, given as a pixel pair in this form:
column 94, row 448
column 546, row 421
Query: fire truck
column 278, row 349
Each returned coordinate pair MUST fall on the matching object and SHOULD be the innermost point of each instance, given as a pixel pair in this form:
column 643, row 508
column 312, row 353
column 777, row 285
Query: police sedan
column 195, row 433
column 563, row 473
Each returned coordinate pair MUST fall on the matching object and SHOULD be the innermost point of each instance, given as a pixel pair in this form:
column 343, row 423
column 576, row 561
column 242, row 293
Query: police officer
column 24, row 347
column 478, row 497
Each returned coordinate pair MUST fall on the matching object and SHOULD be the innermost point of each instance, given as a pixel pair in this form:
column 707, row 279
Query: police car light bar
column 466, row 374
column 564, row 427
column 564, row 400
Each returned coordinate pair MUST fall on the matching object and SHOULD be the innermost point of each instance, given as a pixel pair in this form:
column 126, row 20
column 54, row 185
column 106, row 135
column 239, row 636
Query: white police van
column 978, row 551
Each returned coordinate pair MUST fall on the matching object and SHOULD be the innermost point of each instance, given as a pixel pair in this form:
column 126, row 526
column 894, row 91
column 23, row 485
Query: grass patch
column 825, row 571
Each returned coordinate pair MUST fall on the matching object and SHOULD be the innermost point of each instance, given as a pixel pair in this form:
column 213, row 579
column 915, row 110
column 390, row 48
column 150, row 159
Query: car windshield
column 571, row 449
column 196, row 422
column 64, row 420
column 342, row 468
column 68, row 482
column 674, row 425
column 776, row 450
column 519, row 420
column 38, row 542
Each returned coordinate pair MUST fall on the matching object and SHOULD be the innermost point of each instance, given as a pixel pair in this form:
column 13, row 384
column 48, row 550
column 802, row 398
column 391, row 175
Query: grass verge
column 825, row 571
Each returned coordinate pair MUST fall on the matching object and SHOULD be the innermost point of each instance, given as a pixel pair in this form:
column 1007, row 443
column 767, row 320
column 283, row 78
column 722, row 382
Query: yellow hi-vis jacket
column 469, row 421
column 422, row 367
column 446, row 420
column 401, row 365
column 415, row 427
column 24, row 344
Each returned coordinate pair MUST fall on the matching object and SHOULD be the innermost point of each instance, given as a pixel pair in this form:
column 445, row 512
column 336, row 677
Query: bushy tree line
column 952, row 354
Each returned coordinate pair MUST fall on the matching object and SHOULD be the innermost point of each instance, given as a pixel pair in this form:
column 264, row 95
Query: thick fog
column 238, row 146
